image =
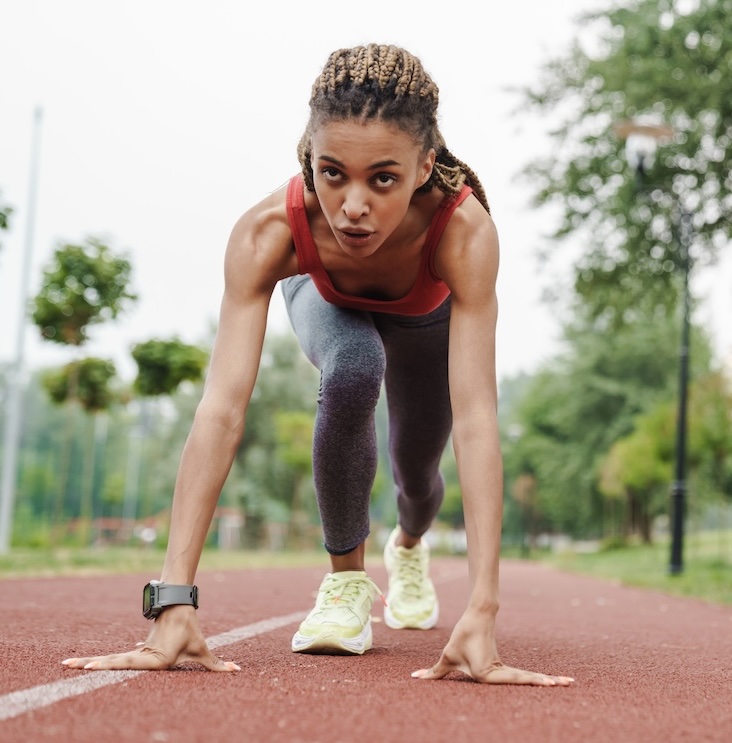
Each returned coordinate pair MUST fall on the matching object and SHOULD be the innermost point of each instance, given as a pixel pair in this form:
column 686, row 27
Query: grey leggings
column 355, row 352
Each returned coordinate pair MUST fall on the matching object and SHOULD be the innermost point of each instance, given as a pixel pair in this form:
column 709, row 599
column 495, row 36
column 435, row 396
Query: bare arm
column 469, row 265
column 473, row 391
column 218, row 424
column 258, row 255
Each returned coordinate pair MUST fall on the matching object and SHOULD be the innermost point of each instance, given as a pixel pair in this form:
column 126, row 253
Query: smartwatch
column 157, row 596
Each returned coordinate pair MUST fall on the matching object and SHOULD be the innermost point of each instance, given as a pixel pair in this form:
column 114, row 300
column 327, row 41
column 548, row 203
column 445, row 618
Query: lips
column 355, row 239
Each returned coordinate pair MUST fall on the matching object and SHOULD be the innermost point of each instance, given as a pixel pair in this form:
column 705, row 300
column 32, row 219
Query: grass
column 707, row 571
column 30, row 563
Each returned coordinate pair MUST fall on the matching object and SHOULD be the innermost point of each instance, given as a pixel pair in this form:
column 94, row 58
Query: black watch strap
column 172, row 595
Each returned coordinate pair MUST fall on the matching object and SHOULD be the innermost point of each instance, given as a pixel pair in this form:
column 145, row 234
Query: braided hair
column 388, row 84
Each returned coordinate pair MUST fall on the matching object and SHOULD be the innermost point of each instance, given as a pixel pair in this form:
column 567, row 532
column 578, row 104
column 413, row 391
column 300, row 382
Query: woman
column 387, row 256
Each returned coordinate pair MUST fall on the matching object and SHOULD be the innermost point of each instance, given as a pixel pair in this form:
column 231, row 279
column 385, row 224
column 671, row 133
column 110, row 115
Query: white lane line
column 26, row 700
column 252, row 630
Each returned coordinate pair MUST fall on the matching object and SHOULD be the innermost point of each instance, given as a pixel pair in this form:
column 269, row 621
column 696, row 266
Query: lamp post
column 641, row 142
column 12, row 428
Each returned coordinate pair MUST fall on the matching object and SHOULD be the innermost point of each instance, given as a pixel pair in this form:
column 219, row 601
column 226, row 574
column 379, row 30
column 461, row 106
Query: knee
column 351, row 377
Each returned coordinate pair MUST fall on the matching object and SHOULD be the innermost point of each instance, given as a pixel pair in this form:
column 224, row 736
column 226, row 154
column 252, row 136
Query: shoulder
column 260, row 242
column 469, row 246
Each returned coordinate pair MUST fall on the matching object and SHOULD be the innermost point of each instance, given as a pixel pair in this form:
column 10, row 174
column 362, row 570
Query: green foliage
column 710, row 434
column 87, row 381
column 275, row 453
column 52, row 458
column 600, row 419
column 658, row 60
column 639, row 467
column 163, row 365
column 642, row 460
column 5, row 211
column 83, row 285
column 571, row 413
column 294, row 431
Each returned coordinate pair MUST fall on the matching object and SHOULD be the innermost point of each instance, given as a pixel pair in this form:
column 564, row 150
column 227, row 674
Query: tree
column 710, row 440
column 5, row 211
column 88, row 381
column 286, row 384
column 638, row 468
column 294, row 447
column 163, row 365
column 661, row 60
column 577, row 406
column 82, row 285
column 658, row 61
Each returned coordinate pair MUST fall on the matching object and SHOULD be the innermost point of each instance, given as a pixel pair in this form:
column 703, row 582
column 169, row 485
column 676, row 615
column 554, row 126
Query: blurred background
column 133, row 137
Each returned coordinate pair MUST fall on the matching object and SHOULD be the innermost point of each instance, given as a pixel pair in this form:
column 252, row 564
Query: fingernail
column 66, row 662
column 418, row 674
column 92, row 665
column 234, row 666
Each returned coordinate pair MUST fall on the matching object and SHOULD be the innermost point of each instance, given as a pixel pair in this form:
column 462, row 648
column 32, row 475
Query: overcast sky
column 164, row 120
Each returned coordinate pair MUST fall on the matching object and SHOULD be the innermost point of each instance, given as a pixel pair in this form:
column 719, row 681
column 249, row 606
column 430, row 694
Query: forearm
column 205, row 464
column 478, row 456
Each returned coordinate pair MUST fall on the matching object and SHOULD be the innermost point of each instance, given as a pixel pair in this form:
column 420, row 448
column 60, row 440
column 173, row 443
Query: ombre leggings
column 355, row 352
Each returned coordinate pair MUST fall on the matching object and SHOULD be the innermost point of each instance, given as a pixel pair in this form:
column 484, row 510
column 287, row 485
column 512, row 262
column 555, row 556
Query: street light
column 641, row 142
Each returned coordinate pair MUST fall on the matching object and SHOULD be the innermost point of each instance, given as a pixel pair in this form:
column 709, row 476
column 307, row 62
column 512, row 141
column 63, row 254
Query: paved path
column 649, row 667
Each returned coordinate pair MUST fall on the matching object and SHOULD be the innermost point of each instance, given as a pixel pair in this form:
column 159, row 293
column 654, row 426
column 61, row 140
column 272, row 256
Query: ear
column 428, row 163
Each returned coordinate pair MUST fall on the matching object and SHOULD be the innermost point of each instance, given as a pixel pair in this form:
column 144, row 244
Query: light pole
column 641, row 142
column 11, row 435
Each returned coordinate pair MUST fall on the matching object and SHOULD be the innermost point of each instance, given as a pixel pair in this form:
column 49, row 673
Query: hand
column 472, row 650
column 175, row 638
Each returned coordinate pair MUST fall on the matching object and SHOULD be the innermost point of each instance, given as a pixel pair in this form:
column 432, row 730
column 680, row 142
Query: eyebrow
column 374, row 166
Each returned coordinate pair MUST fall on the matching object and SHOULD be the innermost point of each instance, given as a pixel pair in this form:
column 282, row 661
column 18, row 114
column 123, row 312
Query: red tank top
column 427, row 293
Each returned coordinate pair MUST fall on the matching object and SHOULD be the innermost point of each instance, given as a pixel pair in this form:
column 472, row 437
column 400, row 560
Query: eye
column 330, row 173
column 384, row 180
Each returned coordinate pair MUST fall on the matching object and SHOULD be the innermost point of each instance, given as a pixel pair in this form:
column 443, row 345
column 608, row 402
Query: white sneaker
column 412, row 601
column 341, row 620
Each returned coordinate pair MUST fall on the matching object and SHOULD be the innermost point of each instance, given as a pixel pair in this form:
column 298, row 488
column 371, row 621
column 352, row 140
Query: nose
column 355, row 202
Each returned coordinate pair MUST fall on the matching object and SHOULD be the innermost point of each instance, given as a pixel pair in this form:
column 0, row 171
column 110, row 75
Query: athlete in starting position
column 387, row 256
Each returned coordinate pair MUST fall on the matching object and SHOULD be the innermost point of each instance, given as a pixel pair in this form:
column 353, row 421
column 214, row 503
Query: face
column 365, row 176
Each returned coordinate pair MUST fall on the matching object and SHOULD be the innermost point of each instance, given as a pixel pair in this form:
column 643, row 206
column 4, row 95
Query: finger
column 76, row 662
column 144, row 662
column 508, row 675
column 132, row 661
column 212, row 663
column 86, row 663
column 438, row 671
column 222, row 666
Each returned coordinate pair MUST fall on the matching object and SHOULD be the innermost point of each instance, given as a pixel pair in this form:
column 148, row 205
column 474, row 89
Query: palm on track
column 472, row 651
column 174, row 639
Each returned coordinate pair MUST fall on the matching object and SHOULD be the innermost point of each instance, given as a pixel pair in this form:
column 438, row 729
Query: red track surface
column 648, row 667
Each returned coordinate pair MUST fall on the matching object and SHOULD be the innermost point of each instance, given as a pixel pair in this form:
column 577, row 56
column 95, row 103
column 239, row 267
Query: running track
column 648, row 667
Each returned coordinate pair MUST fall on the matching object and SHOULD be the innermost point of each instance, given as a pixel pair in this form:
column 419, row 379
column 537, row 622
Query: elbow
column 224, row 421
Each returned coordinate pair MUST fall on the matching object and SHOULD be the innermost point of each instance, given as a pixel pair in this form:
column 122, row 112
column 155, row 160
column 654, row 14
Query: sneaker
column 340, row 623
column 412, row 601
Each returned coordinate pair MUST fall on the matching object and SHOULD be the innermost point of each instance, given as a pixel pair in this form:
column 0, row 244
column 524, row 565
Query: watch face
column 149, row 600
column 146, row 603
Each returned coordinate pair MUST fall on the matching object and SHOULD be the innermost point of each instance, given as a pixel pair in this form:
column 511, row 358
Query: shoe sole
column 393, row 623
column 330, row 643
